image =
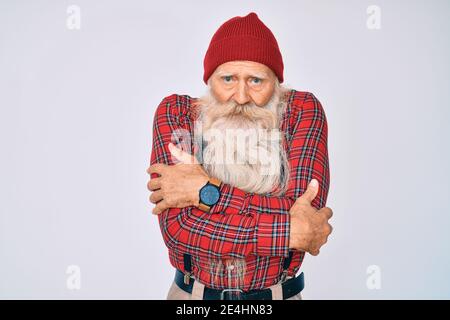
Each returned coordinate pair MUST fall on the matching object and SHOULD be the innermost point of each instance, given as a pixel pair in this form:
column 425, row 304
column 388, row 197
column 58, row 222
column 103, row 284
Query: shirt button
column 231, row 267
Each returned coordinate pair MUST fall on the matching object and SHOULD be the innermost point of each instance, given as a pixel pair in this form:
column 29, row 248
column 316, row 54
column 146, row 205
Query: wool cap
column 243, row 38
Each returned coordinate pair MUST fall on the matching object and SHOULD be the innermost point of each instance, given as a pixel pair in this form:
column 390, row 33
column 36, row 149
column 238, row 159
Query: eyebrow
column 261, row 75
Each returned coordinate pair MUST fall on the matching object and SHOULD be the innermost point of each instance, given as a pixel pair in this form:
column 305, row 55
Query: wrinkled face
column 243, row 82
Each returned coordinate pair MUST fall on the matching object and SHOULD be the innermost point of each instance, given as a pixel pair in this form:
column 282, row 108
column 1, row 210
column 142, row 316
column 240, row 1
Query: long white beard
column 247, row 171
column 242, row 144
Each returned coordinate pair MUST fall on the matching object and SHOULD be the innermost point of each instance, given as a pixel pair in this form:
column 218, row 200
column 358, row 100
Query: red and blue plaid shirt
column 241, row 224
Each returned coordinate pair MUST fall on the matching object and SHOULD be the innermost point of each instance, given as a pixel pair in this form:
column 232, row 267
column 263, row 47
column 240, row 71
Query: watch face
column 209, row 195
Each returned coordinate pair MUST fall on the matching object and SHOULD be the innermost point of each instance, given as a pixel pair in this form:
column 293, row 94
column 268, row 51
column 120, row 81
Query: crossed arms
column 243, row 223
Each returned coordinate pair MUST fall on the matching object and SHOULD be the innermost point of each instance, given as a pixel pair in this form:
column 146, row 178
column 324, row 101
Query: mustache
column 249, row 113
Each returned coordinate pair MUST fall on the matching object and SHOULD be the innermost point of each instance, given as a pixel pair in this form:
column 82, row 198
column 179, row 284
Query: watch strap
column 214, row 181
column 204, row 207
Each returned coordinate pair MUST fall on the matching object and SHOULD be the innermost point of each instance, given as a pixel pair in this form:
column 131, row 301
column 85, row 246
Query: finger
column 315, row 252
column 310, row 193
column 157, row 168
column 156, row 196
column 181, row 155
column 330, row 229
column 327, row 233
column 154, row 184
column 324, row 241
column 160, row 207
column 327, row 211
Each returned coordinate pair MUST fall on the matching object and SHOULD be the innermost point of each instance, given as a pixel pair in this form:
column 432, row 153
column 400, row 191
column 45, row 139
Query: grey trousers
column 175, row 293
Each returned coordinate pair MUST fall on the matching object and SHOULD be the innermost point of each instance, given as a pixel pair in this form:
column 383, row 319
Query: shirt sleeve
column 307, row 157
column 191, row 230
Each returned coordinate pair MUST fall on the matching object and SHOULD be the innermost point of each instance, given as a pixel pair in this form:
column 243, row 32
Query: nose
column 241, row 96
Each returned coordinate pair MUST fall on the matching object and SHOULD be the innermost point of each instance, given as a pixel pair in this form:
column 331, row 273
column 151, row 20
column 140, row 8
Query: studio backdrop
column 79, row 85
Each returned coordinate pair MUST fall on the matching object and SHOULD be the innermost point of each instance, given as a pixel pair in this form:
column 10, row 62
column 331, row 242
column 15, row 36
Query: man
column 238, row 221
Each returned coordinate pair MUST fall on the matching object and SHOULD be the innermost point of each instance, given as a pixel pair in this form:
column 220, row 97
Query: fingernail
column 314, row 183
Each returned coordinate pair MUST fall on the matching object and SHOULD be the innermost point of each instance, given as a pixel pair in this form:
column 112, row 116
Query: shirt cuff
column 272, row 235
column 232, row 200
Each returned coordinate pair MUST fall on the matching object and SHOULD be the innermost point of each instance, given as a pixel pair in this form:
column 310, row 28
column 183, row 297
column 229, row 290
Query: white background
column 76, row 113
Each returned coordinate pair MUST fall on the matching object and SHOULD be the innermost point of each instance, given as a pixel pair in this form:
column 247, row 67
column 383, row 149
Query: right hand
column 309, row 227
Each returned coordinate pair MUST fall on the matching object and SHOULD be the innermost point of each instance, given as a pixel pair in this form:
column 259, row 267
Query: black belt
column 290, row 288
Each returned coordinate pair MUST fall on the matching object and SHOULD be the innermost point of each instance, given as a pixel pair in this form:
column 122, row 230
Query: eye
column 227, row 79
column 258, row 80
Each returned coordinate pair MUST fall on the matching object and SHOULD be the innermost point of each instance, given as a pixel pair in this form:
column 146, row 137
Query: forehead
column 243, row 68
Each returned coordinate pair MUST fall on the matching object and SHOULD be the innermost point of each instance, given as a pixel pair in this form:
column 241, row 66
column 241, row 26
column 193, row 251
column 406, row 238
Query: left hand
column 178, row 185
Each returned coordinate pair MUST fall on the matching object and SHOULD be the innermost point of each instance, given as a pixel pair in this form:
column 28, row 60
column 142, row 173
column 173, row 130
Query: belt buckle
column 222, row 293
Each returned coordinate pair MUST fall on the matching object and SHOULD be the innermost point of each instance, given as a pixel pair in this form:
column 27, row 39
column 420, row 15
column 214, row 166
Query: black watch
column 209, row 194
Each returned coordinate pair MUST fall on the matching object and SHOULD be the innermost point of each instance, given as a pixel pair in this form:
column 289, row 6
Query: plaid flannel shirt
column 242, row 224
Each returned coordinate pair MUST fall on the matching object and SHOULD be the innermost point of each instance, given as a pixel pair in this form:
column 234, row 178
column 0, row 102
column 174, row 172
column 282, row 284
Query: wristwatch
column 209, row 194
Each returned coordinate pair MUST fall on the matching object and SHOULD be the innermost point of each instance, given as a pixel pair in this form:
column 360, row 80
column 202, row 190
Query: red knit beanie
column 243, row 38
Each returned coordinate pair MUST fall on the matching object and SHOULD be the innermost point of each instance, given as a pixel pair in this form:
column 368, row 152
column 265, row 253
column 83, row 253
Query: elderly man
column 240, row 176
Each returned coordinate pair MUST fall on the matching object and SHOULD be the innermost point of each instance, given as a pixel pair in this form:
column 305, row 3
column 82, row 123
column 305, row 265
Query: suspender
column 188, row 266
column 286, row 264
